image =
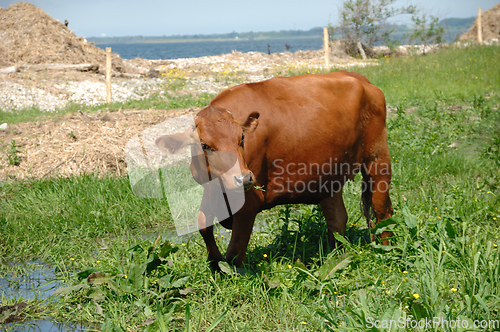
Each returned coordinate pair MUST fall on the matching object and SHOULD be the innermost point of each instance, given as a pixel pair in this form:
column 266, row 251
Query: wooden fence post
column 327, row 51
column 361, row 50
column 479, row 27
column 108, row 75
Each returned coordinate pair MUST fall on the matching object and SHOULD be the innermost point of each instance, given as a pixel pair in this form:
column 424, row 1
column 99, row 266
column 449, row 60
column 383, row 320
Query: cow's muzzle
column 245, row 180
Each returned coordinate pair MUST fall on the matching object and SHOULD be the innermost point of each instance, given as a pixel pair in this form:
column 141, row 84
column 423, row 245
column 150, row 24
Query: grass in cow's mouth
column 442, row 263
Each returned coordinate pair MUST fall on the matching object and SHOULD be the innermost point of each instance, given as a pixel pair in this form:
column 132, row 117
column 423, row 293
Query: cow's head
column 222, row 140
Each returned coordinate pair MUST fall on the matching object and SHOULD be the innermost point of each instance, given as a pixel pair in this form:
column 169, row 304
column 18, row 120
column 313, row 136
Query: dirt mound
column 28, row 35
column 491, row 26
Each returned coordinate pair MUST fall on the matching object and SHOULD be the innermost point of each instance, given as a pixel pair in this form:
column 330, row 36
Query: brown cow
column 300, row 138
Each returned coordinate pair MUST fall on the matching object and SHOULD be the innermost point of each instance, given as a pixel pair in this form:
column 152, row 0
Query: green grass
column 72, row 212
column 443, row 261
column 452, row 75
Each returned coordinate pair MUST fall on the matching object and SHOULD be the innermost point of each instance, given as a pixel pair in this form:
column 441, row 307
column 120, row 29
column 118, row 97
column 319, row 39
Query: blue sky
column 155, row 17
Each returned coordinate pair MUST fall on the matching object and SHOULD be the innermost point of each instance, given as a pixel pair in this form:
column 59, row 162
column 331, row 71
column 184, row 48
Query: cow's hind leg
column 376, row 183
column 335, row 215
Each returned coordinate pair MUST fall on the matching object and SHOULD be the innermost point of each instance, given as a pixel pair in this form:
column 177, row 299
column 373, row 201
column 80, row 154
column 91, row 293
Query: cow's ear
column 251, row 123
column 175, row 142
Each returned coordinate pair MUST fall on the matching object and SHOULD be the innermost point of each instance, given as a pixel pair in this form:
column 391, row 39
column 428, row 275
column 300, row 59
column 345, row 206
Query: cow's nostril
column 238, row 180
column 248, row 179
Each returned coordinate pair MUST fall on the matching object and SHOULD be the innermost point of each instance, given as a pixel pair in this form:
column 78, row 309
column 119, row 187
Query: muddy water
column 38, row 282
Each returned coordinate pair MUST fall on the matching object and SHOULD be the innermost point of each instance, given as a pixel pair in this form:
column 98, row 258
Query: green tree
column 426, row 30
column 363, row 23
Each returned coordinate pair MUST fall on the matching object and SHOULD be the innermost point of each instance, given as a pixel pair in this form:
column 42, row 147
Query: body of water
column 38, row 282
column 176, row 50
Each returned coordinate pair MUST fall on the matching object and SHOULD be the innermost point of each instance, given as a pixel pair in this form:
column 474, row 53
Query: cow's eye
column 242, row 139
column 205, row 147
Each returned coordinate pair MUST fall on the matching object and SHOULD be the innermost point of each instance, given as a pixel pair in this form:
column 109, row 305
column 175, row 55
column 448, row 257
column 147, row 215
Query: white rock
column 3, row 126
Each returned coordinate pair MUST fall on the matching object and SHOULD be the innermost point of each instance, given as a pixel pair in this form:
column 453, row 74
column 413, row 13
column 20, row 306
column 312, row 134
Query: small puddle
column 31, row 281
column 34, row 280
column 42, row 325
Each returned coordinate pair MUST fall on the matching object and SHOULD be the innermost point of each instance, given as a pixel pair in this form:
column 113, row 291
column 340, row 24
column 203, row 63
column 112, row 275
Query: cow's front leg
column 242, row 229
column 214, row 255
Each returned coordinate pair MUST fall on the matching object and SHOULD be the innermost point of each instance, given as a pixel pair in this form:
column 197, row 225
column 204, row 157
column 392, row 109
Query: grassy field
column 120, row 273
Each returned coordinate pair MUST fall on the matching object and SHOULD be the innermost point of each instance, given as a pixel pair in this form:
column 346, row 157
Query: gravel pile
column 14, row 96
column 251, row 62
column 94, row 93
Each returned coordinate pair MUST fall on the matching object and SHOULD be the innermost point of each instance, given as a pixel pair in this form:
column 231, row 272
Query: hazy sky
column 156, row 17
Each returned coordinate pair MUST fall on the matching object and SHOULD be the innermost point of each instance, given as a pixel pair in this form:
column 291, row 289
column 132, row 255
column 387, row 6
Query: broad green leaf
column 420, row 311
column 382, row 247
column 148, row 312
column 341, row 239
column 411, row 221
column 97, row 278
column 165, row 281
column 97, row 295
column 450, row 230
column 180, row 282
column 224, row 267
column 137, row 274
column 167, row 249
column 470, row 324
column 385, row 223
column 98, row 309
column 299, row 264
column 483, row 304
column 334, row 264
column 85, row 273
column 153, row 263
column 67, row 290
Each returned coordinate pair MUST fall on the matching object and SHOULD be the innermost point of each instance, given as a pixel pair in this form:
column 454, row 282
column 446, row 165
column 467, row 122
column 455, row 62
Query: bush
column 365, row 22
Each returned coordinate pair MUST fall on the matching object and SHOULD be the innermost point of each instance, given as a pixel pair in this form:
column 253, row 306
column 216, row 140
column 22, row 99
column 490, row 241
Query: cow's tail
column 366, row 198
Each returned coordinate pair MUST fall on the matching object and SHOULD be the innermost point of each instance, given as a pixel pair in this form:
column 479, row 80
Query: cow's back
column 306, row 120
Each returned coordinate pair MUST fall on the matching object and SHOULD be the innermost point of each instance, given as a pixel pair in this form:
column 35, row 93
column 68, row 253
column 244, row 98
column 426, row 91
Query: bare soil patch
column 75, row 144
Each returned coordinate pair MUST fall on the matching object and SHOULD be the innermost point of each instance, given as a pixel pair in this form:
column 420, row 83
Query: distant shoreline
column 454, row 27
column 190, row 40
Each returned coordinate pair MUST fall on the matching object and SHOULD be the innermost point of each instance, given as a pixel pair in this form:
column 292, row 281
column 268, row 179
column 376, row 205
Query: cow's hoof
column 214, row 263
